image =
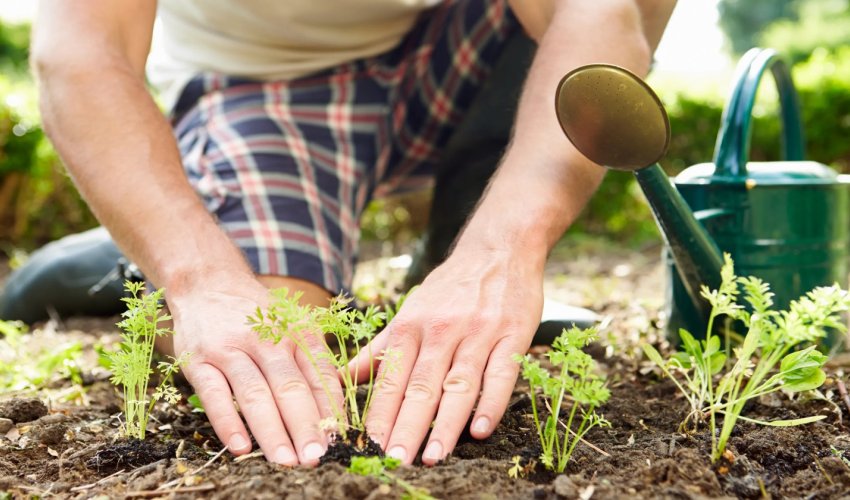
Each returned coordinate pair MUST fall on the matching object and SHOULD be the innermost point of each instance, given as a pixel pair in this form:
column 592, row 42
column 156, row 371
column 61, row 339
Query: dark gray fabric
column 60, row 276
column 472, row 155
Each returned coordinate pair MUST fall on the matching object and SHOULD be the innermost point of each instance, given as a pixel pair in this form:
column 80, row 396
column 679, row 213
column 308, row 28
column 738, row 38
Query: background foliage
column 38, row 201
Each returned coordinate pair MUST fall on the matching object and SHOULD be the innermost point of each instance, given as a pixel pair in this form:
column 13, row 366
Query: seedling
column 521, row 468
column 195, row 402
column 575, row 379
column 380, row 468
column 23, row 369
column 775, row 339
column 350, row 328
column 131, row 363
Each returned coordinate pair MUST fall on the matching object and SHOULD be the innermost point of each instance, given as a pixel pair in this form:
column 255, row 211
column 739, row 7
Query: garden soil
column 64, row 443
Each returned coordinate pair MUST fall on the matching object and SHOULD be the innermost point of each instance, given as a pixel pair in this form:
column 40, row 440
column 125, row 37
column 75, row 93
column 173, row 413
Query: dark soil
column 130, row 454
column 642, row 454
column 22, row 409
column 355, row 444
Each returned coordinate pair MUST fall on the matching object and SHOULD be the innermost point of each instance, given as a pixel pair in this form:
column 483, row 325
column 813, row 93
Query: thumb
column 358, row 367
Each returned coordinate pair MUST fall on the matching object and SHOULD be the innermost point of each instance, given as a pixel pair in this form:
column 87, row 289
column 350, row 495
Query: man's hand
column 458, row 331
column 456, row 335
column 278, row 391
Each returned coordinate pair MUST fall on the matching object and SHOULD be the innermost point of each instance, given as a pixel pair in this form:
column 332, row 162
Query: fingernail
column 481, row 426
column 433, row 452
column 313, row 451
column 398, row 452
column 285, row 456
column 238, row 442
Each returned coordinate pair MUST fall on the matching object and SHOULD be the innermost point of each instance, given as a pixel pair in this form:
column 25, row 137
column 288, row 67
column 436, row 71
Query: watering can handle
column 732, row 149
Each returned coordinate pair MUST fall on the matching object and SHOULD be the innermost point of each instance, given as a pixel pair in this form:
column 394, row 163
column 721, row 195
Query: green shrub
column 38, row 201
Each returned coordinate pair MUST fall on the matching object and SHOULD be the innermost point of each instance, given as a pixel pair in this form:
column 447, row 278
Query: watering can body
column 786, row 222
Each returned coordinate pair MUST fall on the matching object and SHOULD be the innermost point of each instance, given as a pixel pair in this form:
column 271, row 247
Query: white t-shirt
column 270, row 39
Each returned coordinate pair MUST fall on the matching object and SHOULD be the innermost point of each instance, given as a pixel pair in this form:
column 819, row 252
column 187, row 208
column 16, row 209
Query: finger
column 295, row 402
column 260, row 410
column 212, row 388
column 460, row 391
column 324, row 385
column 390, row 384
column 360, row 366
column 421, row 398
column 499, row 381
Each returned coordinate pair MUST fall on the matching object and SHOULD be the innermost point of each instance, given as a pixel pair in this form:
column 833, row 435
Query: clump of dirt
column 132, row 453
column 355, row 444
column 22, row 409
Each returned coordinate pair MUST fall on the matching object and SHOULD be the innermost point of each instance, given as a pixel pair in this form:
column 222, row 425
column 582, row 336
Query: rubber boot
column 79, row 274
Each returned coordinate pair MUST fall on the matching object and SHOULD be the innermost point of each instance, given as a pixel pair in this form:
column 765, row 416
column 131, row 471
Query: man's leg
column 472, row 155
column 282, row 166
column 470, row 91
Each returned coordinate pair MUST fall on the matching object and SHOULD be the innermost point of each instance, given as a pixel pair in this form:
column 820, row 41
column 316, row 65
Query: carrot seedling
column 350, row 329
column 778, row 352
column 575, row 378
column 131, row 363
column 380, row 468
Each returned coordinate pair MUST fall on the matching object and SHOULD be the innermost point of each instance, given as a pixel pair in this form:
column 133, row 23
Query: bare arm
column 89, row 58
column 459, row 330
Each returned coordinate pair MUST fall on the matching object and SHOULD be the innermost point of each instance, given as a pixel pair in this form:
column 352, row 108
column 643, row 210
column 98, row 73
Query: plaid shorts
column 287, row 167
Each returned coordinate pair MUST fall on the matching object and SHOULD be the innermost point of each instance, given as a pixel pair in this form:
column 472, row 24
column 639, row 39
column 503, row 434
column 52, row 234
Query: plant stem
column 312, row 359
column 709, row 384
column 563, row 457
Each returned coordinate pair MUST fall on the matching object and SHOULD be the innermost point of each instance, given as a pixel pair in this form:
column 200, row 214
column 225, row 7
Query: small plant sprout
column 350, row 329
column 131, row 363
column 520, row 468
column 575, row 378
column 778, row 352
column 24, row 368
column 380, row 468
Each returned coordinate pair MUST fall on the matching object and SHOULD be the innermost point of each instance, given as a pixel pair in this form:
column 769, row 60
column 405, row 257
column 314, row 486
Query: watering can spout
column 614, row 119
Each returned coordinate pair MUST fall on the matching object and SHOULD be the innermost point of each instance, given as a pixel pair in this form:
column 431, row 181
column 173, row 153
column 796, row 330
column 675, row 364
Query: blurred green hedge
column 38, row 201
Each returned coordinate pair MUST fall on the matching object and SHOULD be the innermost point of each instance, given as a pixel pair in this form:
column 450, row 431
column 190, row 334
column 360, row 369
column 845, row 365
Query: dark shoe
column 557, row 316
column 76, row 275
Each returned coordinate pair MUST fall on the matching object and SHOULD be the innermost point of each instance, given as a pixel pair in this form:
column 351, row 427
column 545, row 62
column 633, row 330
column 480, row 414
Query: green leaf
column 689, row 344
column 366, row 466
column 683, row 359
column 195, row 402
column 653, row 355
column 806, row 358
column 391, row 463
column 712, row 346
column 784, row 423
column 806, row 381
column 801, row 370
column 716, row 362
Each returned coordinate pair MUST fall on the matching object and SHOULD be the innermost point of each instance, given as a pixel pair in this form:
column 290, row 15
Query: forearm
column 123, row 157
column 543, row 182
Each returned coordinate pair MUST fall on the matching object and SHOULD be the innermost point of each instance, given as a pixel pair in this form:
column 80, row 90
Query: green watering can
column 785, row 222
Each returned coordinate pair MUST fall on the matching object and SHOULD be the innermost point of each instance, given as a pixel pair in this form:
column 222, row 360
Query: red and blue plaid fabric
column 287, row 167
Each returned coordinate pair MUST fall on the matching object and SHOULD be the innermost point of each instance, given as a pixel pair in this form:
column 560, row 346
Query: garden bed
column 642, row 454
